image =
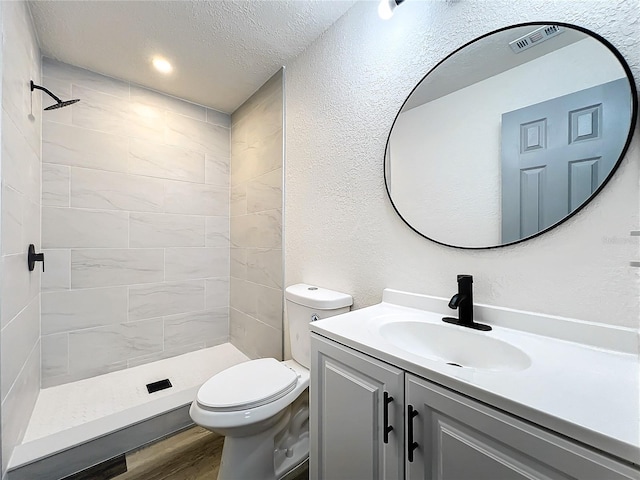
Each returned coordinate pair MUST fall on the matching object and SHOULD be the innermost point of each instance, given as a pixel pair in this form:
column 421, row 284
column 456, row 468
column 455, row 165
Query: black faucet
column 463, row 301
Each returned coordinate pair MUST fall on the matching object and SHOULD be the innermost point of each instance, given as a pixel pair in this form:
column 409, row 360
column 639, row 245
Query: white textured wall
column 20, row 172
column 341, row 231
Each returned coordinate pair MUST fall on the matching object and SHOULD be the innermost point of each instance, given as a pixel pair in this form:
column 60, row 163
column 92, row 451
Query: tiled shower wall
column 135, row 226
column 20, row 203
column 256, row 222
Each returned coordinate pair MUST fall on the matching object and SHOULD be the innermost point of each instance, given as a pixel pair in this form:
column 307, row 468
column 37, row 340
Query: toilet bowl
column 261, row 406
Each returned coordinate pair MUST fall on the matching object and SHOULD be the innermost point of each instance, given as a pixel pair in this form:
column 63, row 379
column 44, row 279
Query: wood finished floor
column 193, row 454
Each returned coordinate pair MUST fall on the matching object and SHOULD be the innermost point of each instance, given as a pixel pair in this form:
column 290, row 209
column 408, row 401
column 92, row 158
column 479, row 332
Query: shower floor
column 73, row 413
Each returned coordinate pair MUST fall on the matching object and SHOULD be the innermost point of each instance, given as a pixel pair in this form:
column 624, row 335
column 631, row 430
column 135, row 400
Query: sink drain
column 454, row 364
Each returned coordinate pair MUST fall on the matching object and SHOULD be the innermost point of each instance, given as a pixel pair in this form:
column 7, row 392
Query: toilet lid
column 247, row 385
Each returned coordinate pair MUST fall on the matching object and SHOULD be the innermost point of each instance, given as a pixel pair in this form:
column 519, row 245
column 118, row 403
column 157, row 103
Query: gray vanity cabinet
column 459, row 438
column 437, row 434
column 354, row 399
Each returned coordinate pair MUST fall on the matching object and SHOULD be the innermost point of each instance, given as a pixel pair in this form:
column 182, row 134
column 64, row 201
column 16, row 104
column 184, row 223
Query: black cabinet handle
column 33, row 257
column 387, row 428
column 411, row 444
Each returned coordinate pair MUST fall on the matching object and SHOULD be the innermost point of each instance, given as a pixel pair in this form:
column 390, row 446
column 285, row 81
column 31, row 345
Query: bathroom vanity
column 396, row 393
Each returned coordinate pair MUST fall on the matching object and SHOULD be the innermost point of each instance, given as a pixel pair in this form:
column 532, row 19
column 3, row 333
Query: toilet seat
column 247, row 385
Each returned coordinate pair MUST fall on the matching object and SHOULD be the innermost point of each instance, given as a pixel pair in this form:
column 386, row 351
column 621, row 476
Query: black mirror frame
column 632, row 125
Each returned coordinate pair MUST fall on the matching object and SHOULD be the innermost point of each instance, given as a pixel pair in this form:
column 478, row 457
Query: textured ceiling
column 221, row 51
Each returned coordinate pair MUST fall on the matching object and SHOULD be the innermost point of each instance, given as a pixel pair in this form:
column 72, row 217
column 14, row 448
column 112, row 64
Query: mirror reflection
column 509, row 135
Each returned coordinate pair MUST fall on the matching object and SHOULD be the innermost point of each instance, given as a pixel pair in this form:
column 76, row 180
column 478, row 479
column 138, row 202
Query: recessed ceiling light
column 162, row 65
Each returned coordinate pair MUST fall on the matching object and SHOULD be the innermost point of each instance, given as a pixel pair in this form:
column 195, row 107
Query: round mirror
column 510, row 135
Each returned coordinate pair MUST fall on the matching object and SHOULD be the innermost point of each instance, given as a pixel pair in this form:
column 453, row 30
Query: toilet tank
column 306, row 304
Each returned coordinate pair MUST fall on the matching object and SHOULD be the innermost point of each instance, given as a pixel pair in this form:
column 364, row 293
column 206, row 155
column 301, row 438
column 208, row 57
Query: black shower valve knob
column 33, row 257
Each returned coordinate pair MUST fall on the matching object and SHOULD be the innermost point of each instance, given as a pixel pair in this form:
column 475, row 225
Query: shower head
column 62, row 104
column 59, row 103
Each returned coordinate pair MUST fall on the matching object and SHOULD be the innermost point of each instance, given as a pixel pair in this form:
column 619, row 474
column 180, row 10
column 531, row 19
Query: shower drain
column 157, row 386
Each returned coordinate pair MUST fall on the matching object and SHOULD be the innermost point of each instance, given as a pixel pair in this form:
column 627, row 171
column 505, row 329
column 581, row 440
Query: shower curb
column 92, row 452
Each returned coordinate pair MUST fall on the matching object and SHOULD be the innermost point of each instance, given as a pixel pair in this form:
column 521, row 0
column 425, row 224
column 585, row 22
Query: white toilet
column 261, row 406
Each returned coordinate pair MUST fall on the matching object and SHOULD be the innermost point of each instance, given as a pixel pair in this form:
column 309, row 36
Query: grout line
column 68, row 354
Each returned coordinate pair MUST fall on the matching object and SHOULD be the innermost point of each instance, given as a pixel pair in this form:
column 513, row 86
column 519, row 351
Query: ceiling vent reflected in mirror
column 536, row 37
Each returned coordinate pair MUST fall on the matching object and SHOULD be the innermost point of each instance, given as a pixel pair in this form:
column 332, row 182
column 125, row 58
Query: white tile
column 20, row 163
column 56, row 182
column 238, row 263
column 217, row 232
column 12, row 214
column 164, row 161
column 18, row 340
column 218, row 118
column 55, row 355
column 146, row 122
column 166, row 353
column 117, row 116
column 217, row 341
column 243, row 296
column 265, row 267
column 195, row 135
column 83, row 373
column 243, row 161
column 217, row 292
column 80, row 76
column 69, row 310
column 31, row 224
column 73, row 227
column 62, row 89
column 257, row 230
column 265, row 106
column 17, row 407
column 21, row 63
column 99, row 347
column 240, row 227
column 57, row 274
column 166, row 102
column 23, row 287
column 217, row 170
column 148, row 301
column 115, row 191
column 193, row 263
column 265, row 192
column 238, row 204
column 163, row 230
column 80, row 147
column 251, row 336
column 196, row 199
column 269, row 306
column 187, row 329
column 108, row 267
column 257, row 147
column 99, row 111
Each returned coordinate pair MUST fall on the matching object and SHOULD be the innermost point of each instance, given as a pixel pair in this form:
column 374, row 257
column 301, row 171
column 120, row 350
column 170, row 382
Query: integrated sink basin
column 454, row 345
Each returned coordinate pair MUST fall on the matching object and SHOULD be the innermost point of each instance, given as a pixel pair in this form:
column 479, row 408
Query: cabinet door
column 351, row 396
column 457, row 438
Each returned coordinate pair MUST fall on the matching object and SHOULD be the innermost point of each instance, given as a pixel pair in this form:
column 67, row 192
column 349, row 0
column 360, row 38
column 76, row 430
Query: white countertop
column 587, row 391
